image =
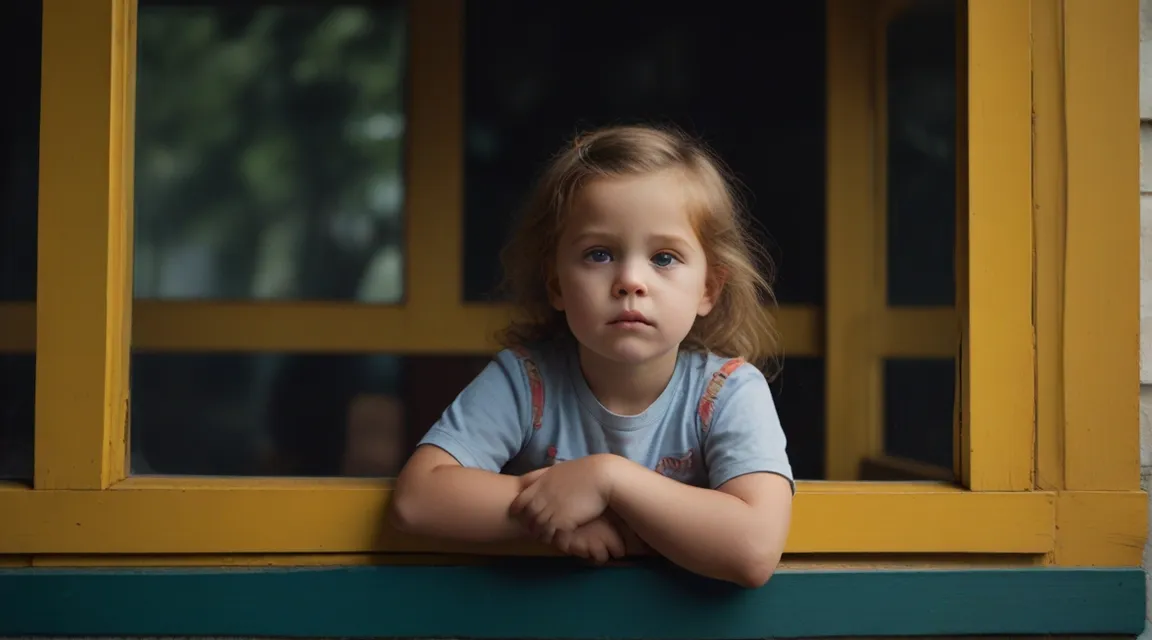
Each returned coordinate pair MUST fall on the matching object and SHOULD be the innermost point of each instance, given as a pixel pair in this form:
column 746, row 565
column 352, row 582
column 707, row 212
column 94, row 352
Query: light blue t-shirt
column 529, row 409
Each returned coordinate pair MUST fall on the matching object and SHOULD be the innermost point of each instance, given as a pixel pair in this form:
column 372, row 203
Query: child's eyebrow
column 592, row 236
column 673, row 240
column 669, row 239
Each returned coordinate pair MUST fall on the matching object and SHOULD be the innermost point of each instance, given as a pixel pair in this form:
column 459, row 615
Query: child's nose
column 630, row 284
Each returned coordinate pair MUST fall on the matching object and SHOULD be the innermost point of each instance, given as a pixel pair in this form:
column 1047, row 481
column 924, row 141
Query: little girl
column 627, row 412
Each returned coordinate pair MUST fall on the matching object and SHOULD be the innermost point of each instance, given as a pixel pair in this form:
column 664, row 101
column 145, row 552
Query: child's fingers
column 566, row 543
column 615, row 547
column 521, row 502
column 529, row 478
column 545, row 529
column 599, row 552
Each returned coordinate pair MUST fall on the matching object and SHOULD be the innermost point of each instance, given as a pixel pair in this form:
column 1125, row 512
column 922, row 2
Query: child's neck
column 624, row 389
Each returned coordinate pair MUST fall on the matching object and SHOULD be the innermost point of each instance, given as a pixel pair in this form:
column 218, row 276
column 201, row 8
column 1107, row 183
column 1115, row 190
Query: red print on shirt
column 708, row 401
column 676, row 465
column 536, row 384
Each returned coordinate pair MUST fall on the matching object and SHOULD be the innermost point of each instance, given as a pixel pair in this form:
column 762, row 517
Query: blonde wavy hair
column 739, row 324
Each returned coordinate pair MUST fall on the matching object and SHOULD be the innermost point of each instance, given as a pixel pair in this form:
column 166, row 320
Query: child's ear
column 713, row 287
column 555, row 297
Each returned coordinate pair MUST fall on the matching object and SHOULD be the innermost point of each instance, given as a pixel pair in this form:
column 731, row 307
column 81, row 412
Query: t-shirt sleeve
column 485, row 425
column 744, row 434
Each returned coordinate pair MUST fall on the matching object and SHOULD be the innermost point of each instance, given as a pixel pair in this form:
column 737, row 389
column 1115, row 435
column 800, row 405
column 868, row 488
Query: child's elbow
column 403, row 513
column 756, row 574
column 758, row 566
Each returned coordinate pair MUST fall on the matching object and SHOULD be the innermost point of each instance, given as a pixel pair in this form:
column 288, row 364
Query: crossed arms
column 602, row 506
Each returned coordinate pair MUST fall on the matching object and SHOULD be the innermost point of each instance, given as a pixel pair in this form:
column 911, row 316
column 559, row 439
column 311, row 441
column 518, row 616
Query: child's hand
column 634, row 545
column 527, row 479
column 598, row 541
column 570, row 494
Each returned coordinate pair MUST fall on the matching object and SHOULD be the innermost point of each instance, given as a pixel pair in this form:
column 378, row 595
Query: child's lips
column 631, row 319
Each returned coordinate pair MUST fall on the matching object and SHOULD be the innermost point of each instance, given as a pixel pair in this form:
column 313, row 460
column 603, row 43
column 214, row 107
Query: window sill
column 549, row 599
column 234, row 515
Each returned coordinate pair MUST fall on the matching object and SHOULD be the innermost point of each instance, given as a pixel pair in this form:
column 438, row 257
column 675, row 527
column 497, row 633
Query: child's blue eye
column 663, row 259
column 598, row 255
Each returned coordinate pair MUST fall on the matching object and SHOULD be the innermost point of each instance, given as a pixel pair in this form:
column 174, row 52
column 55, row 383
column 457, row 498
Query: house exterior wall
column 1146, row 277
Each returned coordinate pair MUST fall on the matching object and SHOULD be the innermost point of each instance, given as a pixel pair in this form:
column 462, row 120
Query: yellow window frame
column 1048, row 417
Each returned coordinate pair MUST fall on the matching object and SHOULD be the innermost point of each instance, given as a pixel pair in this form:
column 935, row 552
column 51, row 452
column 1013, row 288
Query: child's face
column 629, row 247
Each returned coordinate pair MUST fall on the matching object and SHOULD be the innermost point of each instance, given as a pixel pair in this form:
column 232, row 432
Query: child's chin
column 633, row 352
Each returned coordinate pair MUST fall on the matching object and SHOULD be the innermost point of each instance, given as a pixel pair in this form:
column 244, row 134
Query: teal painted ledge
column 551, row 600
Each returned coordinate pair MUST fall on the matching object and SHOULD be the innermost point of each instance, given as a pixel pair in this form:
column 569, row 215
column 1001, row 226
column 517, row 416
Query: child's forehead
column 667, row 200
column 661, row 195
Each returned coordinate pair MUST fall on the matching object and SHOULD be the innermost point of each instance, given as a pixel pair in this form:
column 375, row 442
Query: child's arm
column 436, row 496
column 734, row 533
column 451, row 487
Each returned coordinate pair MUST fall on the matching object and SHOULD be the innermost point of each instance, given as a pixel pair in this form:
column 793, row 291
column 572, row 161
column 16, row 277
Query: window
column 893, row 406
column 366, row 278
column 18, row 192
column 527, row 89
column 269, row 168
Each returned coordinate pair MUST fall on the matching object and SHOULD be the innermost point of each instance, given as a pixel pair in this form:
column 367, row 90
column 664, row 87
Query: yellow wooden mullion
column 917, row 332
column 1049, row 194
column 960, row 264
column 434, row 251
column 1102, row 259
column 877, row 262
column 329, row 327
column 83, row 283
column 997, row 376
column 852, row 387
column 165, row 326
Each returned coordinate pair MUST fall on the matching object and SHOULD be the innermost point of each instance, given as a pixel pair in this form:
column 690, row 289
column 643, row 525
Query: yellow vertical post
column 1101, row 285
column 997, row 376
column 1049, row 209
column 83, row 305
column 852, row 388
column 434, row 213
column 959, row 424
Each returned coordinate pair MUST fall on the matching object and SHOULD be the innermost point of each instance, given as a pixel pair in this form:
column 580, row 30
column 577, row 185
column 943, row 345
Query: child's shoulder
column 539, row 353
column 713, row 378
column 707, row 367
column 535, row 362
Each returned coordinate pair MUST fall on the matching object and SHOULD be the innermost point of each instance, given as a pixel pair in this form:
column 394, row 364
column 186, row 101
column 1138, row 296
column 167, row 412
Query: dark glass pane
column 17, row 414
column 269, row 150
column 287, row 414
column 19, row 173
column 19, row 149
column 919, row 397
column 535, row 72
column 345, row 414
column 799, row 394
column 921, row 96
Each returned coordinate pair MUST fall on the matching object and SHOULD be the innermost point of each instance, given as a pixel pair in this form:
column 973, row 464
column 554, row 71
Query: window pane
column 241, row 414
column 537, row 71
column 269, row 150
column 287, row 414
column 799, row 394
column 919, row 397
column 19, row 164
column 19, row 149
column 921, row 96
column 17, row 413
